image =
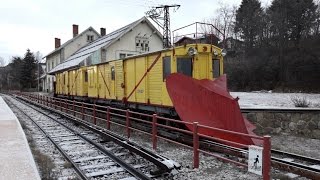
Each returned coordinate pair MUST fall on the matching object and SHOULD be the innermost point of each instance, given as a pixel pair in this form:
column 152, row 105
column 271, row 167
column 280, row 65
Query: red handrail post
column 154, row 131
column 195, row 145
column 266, row 166
column 108, row 117
column 73, row 108
column 94, row 115
column 128, row 123
column 67, row 106
column 82, row 113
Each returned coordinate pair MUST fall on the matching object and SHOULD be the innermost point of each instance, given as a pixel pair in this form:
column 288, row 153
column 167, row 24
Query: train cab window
column 216, row 68
column 113, row 73
column 86, row 76
column 166, row 64
column 184, row 66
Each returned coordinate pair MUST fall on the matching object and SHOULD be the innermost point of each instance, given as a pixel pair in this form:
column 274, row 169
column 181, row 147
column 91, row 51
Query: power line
column 156, row 15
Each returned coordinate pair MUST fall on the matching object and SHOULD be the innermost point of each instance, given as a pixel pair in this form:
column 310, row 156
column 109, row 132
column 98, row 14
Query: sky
column 34, row 24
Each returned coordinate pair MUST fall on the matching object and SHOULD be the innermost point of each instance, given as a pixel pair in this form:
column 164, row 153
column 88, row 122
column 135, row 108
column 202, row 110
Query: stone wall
column 306, row 124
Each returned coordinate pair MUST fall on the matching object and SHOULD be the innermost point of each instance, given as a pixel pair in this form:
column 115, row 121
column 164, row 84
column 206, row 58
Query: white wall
column 78, row 43
column 127, row 43
column 65, row 53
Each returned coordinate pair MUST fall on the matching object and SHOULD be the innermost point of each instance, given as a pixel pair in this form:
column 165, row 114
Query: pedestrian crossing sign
column 255, row 159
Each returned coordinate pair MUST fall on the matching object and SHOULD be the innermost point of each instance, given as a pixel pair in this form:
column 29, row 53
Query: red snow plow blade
column 209, row 103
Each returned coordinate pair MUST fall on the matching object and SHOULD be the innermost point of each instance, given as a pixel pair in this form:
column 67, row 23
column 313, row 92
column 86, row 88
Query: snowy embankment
column 274, row 100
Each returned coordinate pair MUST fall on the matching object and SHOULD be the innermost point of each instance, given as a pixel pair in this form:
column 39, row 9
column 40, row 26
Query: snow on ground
column 273, row 100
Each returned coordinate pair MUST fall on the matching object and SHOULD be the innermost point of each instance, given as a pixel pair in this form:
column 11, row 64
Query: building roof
column 105, row 41
column 71, row 40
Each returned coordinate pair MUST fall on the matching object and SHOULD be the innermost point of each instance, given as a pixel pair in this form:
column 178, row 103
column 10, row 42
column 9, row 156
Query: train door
column 92, row 81
column 112, row 73
column 119, row 79
column 101, row 82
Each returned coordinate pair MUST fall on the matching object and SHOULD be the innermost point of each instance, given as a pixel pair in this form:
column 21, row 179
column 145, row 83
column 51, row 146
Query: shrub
column 300, row 101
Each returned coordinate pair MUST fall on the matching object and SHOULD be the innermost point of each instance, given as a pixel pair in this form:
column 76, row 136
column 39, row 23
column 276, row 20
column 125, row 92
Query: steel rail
column 135, row 172
column 283, row 165
column 76, row 167
column 159, row 161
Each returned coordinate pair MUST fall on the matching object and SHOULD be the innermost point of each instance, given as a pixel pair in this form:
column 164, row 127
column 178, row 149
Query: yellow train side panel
column 119, row 84
column 154, row 80
column 201, row 66
column 140, row 69
column 65, row 83
column 101, row 81
column 73, row 76
column 107, row 72
column 82, row 82
column 165, row 98
column 130, row 78
column 92, row 81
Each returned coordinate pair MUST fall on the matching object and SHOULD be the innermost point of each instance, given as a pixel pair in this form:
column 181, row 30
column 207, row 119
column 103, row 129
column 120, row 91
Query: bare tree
column 223, row 20
column 2, row 62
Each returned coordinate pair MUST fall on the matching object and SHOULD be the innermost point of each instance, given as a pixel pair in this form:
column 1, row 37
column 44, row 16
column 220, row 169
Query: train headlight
column 192, row 51
column 224, row 52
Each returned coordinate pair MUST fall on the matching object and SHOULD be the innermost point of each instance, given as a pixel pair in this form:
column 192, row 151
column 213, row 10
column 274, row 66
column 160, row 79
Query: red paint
column 209, row 103
column 195, row 145
column 154, row 131
column 94, row 115
column 128, row 123
column 108, row 117
column 266, row 153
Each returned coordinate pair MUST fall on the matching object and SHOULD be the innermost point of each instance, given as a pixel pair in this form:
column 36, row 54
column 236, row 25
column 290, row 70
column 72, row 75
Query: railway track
column 297, row 164
column 94, row 157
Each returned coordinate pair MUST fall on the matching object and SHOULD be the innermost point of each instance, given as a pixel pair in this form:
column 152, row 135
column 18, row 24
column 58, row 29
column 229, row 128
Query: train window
column 216, row 68
column 166, row 64
column 113, row 73
column 184, row 66
column 86, row 76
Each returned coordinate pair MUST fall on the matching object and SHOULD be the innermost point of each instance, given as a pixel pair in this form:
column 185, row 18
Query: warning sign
column 255, row 160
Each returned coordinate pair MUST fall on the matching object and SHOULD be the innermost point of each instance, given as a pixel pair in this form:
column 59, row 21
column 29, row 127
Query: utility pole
column 155, row 14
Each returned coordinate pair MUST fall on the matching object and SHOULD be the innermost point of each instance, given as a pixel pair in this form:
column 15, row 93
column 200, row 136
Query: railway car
column 139, row 82
column 184, row 82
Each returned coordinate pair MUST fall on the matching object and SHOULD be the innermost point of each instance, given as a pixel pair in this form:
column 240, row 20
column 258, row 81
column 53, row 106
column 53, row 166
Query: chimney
column 75, row 30
column 57, row 42
column 102, row 31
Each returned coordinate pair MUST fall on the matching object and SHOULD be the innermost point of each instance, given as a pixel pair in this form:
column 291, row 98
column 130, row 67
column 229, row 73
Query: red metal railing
column 81, row 110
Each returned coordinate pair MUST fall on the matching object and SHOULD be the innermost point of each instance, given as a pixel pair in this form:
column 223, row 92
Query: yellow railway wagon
column 140, row 81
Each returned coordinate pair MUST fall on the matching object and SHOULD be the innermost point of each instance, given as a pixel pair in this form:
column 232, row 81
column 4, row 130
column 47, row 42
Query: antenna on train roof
column 155, row 14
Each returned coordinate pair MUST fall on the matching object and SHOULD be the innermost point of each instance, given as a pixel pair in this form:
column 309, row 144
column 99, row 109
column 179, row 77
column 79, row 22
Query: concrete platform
column 16, row 160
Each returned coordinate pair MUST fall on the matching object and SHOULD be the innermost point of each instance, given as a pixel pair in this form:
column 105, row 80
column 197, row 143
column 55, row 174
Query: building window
column 166, row 64
column 184, row 66
column 216, row 68
column 142, row 43
column 90, row 38
column 113, row 73
column 86, row 76
column 122, row 55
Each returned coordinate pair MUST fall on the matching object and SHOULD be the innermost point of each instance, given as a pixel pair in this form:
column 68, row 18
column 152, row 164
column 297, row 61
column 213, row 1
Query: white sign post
column 255, row 159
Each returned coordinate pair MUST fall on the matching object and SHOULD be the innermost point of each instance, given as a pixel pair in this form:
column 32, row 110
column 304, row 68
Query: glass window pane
column 216, row 68
column 184, row 66
column 166, row 63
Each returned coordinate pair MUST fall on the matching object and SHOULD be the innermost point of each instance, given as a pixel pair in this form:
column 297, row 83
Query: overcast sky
column 34, row 24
